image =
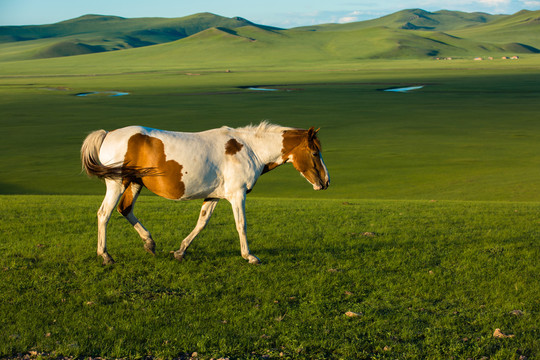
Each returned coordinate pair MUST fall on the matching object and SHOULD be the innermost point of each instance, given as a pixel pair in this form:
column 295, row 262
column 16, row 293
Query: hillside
column 518, row 33
column 416, row 19
column 522, row 27
column 406, row 34
column 97, row 33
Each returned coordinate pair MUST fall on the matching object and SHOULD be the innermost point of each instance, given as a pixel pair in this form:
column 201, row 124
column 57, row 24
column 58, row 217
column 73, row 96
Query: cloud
column 532, row 3
column 494, row 3
column 294, row 19
column 357, row 15
column 471, row 5
column 347, row 19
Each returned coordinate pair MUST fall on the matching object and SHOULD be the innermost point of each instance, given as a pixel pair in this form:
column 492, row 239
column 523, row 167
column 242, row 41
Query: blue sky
column 280, row 13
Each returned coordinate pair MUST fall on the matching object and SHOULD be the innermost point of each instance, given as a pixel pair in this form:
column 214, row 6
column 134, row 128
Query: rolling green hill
column 207, row 39
column 224, row 48
column 416, row 19
column 522, row 27
column 473, row 34
column 97, row 33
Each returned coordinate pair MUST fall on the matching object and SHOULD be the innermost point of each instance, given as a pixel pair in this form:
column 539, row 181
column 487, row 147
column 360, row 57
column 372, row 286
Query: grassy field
column 470, row 134
column 428, row 231
column 428, row 280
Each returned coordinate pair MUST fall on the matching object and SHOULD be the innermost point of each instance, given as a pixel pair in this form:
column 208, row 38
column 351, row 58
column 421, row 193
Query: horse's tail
column 94, row 167
column 90, row 157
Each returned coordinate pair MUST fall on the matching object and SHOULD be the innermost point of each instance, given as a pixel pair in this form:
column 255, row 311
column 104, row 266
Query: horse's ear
column 312, row 132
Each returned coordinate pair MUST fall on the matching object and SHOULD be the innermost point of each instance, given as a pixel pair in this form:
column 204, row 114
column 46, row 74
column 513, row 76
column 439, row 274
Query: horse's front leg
column 238, row 203
column 206, row 212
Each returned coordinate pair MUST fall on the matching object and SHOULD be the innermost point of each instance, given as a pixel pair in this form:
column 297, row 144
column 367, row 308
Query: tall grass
column 427, row 280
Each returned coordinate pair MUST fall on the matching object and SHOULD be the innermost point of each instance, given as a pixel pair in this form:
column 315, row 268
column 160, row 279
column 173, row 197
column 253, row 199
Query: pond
column 110, row 93
column 404, row 89
column 261, row 89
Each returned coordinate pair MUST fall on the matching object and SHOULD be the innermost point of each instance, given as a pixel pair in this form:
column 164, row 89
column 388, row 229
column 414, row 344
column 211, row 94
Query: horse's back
column 181, row 160
column 119, row 142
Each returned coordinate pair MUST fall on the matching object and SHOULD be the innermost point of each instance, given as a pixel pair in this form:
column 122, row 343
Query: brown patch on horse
column 232, row 147
column 125, row 205
column 147, row 152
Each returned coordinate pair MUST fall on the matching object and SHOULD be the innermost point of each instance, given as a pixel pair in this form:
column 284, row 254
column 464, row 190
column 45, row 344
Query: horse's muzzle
column 322, row 185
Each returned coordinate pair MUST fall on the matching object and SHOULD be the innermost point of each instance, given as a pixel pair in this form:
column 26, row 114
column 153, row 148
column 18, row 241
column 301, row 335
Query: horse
column 222, row 163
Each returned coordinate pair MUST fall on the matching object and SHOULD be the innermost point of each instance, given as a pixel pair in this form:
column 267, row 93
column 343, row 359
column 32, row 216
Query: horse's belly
column 180, row 184
column 200, row 185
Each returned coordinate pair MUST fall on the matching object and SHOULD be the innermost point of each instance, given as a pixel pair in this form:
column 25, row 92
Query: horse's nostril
column 323, row 185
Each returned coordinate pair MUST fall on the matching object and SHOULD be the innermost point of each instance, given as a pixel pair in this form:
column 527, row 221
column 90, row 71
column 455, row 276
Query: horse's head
column 303, row 149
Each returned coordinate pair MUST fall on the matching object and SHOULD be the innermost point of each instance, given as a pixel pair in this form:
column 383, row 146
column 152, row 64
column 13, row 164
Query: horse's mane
column 264, row 127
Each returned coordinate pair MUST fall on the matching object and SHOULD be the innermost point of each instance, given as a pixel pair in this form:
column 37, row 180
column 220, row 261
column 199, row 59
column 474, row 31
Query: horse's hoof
column 253, row 259
column 178, row 255
column 107, row 259
column 150, row 246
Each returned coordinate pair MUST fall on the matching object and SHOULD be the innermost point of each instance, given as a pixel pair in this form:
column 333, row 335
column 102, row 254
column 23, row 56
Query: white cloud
column 471, row 5
column 356, row 15
column 532, row 3
column 494, row 3
column 293, row 19
column 489, row 6
column 347, row 19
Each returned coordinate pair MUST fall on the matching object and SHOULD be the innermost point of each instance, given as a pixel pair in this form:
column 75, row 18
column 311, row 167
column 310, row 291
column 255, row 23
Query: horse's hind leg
column 114, row 191
column 206, row 212
column 125, row 207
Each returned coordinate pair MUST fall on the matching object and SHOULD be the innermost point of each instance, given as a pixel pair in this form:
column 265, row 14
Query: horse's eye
column 315, row 153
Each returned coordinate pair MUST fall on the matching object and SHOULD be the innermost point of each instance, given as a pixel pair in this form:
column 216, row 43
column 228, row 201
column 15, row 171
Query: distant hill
column 97, row 33
column 413, row 33
column 416, row 19
column 522, row 27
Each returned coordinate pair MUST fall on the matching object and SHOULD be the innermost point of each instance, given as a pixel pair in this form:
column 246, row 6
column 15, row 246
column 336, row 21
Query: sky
column 279, row 13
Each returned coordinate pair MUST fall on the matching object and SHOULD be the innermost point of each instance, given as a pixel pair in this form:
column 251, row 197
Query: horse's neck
column 267, row 147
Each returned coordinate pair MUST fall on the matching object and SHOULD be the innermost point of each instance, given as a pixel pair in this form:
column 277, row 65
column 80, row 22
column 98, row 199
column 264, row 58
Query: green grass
column 431, row 280
column 471, row 134
column 437, row 261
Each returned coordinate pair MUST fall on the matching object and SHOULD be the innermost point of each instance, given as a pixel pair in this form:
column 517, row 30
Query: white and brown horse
column 216, row 164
